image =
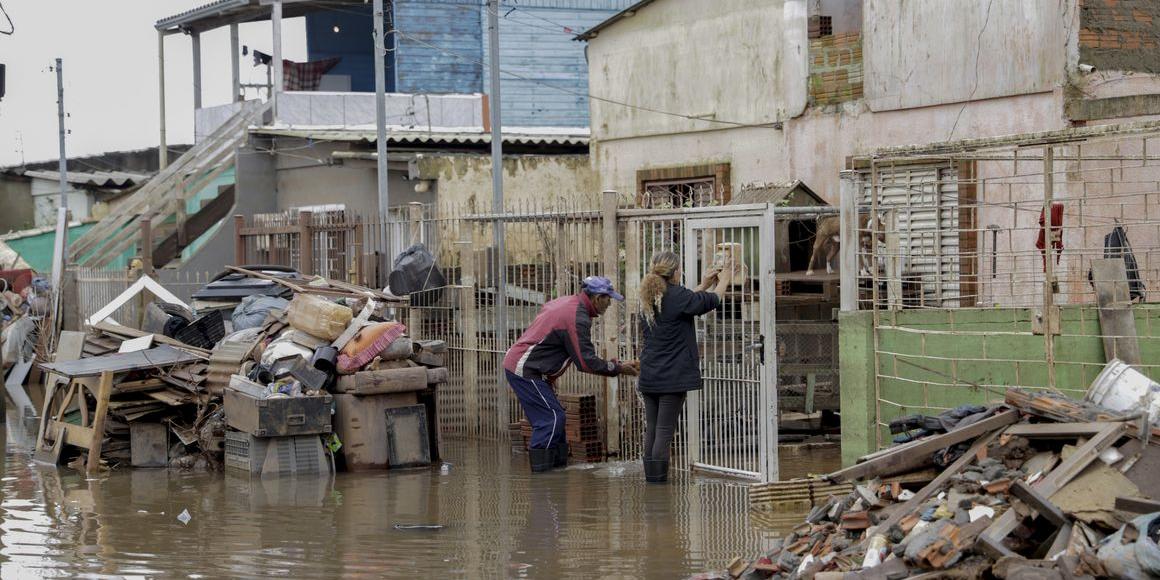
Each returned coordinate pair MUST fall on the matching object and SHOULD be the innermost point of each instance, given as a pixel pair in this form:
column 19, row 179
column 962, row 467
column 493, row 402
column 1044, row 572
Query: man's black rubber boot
column 656, row 470
column 561, row 459
column 542, row 459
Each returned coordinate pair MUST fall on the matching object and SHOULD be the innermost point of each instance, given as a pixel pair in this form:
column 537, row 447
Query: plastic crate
column 245, row 452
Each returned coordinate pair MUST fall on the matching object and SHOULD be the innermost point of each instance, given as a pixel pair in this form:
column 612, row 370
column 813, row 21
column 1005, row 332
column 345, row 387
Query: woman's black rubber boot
column 542, row 459
column 656, row 470
column 561, row 458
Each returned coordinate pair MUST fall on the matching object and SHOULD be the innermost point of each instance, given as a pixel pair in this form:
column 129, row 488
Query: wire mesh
column 1008, row 249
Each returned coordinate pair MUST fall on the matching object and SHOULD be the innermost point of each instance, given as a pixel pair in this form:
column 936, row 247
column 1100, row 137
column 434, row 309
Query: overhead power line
column 568, row 91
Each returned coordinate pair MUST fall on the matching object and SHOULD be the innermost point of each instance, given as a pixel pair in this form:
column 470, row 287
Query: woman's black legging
column 661, row 413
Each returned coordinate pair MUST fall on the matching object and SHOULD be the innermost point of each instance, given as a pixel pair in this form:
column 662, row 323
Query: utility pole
column 381, row 121
column 60, row 242
column 63, row 163
column 501, row 327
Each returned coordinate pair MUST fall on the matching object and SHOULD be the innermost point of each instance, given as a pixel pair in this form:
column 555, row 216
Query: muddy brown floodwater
column 494, row 519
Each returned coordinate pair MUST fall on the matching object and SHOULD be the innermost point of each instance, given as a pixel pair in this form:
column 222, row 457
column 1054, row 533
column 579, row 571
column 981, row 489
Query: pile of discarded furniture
column 269, row 373
column 1042, row 486
column 25, row 299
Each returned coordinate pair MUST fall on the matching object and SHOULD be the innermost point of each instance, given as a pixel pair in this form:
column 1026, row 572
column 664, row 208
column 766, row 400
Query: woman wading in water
column 669, row 363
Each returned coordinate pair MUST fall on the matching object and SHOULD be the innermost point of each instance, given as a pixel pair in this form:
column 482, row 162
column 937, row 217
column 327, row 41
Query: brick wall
column 1120, row 35
column 835, row 68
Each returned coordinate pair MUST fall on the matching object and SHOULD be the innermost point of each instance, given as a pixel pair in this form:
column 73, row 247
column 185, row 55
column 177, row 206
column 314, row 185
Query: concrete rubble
column 1041, row 486
column 269, row 373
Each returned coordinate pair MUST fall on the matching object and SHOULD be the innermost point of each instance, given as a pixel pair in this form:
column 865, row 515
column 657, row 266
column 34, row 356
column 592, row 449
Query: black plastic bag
column 415, row 272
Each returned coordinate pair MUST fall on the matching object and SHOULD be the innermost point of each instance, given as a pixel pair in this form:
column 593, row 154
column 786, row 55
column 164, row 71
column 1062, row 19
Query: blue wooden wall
column 536, row 43
column 447, row 52
column 354, row 43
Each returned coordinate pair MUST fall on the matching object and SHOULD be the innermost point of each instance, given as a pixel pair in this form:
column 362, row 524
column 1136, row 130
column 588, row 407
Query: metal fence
column 1034, row 258
column 490, row 297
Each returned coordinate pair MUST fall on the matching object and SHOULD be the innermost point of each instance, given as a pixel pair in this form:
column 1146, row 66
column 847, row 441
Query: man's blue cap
column 600, row 285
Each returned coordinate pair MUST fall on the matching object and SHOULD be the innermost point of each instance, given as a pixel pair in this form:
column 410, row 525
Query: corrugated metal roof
column 514, row 136
column 222, row 12
column 627, row 12
column 193, row 14
column 117, row 179
column 777, row 193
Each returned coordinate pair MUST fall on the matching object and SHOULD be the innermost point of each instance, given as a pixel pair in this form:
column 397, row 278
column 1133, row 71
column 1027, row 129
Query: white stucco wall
column 737, row 60
column 924, row 53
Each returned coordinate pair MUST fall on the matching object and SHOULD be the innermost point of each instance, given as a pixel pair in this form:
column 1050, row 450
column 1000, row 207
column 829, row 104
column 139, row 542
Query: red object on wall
column 1056, row 234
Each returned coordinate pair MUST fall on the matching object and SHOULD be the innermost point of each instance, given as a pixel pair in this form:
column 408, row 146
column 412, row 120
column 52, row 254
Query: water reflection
column 497, row 521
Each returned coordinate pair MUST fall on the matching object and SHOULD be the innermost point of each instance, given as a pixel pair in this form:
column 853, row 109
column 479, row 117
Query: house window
column 690, row 186
column 679, row 193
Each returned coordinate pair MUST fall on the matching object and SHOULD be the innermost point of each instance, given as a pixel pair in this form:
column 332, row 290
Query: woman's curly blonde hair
column 652, row 287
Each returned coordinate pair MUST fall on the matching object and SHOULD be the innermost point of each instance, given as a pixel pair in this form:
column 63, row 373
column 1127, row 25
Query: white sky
column 109, row 49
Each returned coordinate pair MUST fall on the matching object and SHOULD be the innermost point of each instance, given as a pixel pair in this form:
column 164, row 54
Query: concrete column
column 196, row 38
column 162, row 148
column 276, row 66
column 848, row 268
column 235, row 66
column 858, row 398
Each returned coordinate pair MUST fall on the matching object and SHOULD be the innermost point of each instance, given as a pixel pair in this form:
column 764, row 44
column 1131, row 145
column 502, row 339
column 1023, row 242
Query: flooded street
column 494, row 519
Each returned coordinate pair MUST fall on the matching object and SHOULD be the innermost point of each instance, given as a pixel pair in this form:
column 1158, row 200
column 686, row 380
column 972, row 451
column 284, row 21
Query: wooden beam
column 199, row 223
column 1053, row 430
column 1137, row 505
column 913, row 456
column 1117, row 321
column 1038, row 503
column 104, row 391
column 383, row 381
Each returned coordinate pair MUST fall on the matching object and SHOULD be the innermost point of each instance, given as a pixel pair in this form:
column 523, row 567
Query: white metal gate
column 731, row 425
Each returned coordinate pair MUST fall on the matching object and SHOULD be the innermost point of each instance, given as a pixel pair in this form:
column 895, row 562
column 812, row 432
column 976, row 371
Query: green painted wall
column 37, row 249
column 930, row 360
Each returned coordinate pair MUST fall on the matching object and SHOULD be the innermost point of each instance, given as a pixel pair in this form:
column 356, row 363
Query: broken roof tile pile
column 1043, row 486
column 259, row 362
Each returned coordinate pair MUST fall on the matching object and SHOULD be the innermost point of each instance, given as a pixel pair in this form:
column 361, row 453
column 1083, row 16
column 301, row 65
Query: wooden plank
column 1117, row 323
column 437, row 375
column 74, row 435
column 1053, row 430
column 1137, row 505
column 104, row 390
column 1038, row 503
column 216, row 210
column 119, row 330
column 1061, row 475
column 383, row 381
column 919, row 454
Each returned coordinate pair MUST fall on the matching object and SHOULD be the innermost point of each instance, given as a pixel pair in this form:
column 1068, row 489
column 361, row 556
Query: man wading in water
column 560, row 335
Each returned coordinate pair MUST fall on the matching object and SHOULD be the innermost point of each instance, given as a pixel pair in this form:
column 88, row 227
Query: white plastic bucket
column 1120, row 387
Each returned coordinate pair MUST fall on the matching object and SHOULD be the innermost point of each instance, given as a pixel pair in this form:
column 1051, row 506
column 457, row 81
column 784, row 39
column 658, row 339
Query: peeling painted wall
column 530, row 181
column 814, row 147
column 927, row 53
column 738, row 60
column 464, row 180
